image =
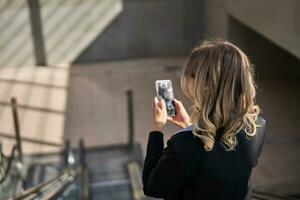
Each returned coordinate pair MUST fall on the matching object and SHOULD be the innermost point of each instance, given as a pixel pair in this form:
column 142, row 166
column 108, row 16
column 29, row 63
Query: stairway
column 114, row 172
column 109, row 178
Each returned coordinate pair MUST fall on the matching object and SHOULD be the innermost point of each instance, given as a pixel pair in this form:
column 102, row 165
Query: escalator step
column 112, row 190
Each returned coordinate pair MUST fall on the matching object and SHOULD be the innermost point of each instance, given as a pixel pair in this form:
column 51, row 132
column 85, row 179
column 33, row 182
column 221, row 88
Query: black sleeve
column 162, row 173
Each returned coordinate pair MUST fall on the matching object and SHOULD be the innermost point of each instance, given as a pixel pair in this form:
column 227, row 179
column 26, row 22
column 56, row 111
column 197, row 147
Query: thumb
column 170, row 118
column 163, row 104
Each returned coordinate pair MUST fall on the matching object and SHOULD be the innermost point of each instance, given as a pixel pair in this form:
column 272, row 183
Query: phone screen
column 164, row 90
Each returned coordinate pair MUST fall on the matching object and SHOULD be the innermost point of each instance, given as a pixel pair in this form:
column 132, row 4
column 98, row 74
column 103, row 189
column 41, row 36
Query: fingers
column 169, row 118
column 153, row 104
column 174, row 121
column 157, row 105
column 162, row 104
column 178, row 104
column 155, row 101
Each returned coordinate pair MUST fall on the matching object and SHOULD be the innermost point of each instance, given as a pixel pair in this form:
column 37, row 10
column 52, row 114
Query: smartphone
column 164, row 90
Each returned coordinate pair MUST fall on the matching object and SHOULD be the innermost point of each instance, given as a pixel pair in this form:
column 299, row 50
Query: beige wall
column 277, row 20
column 215, row 19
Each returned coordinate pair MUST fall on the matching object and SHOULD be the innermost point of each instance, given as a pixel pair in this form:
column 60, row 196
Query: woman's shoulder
column 186, row 135
column 188, row 148
column 185, row 140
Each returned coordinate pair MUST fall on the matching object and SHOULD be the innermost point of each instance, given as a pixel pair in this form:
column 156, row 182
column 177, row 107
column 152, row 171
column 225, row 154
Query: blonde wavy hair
column 223, row 92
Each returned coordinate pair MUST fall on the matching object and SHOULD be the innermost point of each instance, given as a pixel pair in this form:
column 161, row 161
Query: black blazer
column 184, row 170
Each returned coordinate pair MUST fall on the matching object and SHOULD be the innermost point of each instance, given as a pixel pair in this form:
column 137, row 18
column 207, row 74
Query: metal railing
column 17, row 152
column 84, row 175
column 17, row 128
column 259, row 195
column 55, row 187
column 130, row 118
column 9, row 163
column 12, row 179
column 46, row 189
column 17, row 137
column 13, row 172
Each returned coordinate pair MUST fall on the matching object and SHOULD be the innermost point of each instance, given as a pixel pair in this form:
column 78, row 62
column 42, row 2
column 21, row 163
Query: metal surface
column 66, row 153
column 84, row 184
column 130, row 117
column 17, row 127
column 84, row 173
column 135, row 178
column 267, row 196
column 9, row 162
column 43, row 186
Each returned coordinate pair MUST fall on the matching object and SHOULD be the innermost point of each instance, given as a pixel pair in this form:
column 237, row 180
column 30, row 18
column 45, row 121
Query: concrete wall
column 276, row 20
column 149, row 28
column 16, row 47
column 215, row 19
column 254, row 28
column 68, row 27
column 271, row 61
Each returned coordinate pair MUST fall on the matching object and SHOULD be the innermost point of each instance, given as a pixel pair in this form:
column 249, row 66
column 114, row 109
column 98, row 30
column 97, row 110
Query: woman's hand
column 181, row 118
column 159, row 114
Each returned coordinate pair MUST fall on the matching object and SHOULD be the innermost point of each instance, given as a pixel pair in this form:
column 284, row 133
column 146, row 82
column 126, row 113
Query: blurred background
column 82, row 73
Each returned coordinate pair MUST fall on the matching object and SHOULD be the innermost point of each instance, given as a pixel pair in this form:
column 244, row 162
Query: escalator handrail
column 84, row 173
column 8, row 167
column 54, row 194
column 55, row 187
column 266, row 196
column 84, row 183
column 40, row 186
column 59, row 191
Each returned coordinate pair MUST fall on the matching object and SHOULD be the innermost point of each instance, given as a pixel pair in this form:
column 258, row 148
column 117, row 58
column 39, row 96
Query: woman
column 213, row 155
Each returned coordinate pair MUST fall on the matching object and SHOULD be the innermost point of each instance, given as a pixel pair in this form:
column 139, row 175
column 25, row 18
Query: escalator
column 106, row 172
column 11, row 179
column 111, row 173
column 94, row 173
column 70, row 183
column 75, row 173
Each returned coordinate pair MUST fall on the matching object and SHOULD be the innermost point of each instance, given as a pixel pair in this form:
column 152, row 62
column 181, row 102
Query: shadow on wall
column 270, row 60
column 149, row 29
column 15, row 34
column 66, row 26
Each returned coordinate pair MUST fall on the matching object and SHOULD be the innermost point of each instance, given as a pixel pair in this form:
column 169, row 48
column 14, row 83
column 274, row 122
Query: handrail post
column 84, row 189
column 81, row 153
column 66, row 153
column 17, row 128
column 130, row 118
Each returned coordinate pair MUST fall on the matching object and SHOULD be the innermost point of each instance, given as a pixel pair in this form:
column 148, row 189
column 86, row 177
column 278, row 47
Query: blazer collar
column 189, row 128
